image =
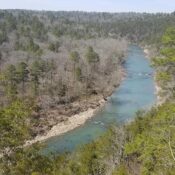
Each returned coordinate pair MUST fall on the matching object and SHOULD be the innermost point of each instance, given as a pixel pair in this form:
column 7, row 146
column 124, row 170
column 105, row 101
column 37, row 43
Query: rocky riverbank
column 151, row 52
column 68, row 125
column 67, row 117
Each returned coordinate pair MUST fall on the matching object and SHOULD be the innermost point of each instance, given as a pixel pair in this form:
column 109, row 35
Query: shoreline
column 81, row 118
column 76, row 120
column 159, row 100
column 64, row 127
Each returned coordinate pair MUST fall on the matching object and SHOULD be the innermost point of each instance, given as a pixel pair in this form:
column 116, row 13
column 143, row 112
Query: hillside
column 54, row 65
column 63, row 76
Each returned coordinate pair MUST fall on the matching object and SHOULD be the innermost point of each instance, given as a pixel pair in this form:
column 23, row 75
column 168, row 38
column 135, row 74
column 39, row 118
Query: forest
column 57, row 64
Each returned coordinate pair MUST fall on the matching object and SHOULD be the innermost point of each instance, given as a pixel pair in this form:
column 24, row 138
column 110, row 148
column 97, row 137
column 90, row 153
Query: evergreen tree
column 78, row 73
column 35, row 73
column 54, row 47
column 14, row 125
column 3, row 36
column 52, row 67
column 11, row 78
column 92, row 56
column 23, row 74
column 74, row 56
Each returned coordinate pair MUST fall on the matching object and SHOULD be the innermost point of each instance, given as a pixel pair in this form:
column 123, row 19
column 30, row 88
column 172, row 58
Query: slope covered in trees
column 78, row 25
column 39, row 60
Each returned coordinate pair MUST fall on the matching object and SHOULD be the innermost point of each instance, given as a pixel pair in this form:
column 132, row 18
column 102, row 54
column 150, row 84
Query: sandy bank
column 72, row 123
column 79, row 119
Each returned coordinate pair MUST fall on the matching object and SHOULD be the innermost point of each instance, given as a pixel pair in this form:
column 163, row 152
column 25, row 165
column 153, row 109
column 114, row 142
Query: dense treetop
column 135, row 26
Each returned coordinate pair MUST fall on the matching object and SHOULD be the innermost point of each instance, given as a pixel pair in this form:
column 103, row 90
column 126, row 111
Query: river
column 136, row 92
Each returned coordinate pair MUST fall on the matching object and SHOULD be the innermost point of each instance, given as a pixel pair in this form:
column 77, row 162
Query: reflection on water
column 135, row 92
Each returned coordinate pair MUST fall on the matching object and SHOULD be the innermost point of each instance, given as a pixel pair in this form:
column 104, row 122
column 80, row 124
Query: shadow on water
column 136, row 92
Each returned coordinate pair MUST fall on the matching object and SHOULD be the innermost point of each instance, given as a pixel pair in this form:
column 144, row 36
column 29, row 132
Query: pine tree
column 92, row 56
column 78, row 73
column 35, row 73
column 11, row 78
column 22, row 74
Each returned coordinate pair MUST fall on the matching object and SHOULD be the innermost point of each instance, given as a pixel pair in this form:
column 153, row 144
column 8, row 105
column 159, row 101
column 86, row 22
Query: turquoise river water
column 136, row 92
